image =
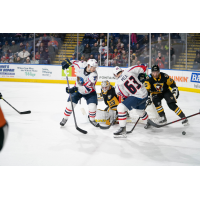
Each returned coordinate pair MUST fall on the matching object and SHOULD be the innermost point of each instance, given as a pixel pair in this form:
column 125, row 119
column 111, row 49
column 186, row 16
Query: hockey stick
column 159, row 126
column 21, row 113
column 135, row 123
column 79, row 129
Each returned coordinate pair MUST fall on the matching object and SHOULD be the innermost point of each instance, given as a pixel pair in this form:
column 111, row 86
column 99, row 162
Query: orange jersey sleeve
column 2, row 119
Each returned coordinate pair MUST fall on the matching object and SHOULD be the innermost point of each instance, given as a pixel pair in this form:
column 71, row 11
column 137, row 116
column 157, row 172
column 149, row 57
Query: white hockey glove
column 176, row 92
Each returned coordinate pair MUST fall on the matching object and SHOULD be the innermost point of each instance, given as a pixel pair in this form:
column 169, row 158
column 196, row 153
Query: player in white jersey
column 86, row 78
column 133, row 92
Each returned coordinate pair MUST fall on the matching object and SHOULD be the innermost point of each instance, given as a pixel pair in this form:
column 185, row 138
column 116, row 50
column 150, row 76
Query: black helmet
column 155, row 68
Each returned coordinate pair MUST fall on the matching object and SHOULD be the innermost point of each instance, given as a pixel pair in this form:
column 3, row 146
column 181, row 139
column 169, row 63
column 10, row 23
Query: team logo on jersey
column 109, row 96
column 158, row 87
column 166, row 75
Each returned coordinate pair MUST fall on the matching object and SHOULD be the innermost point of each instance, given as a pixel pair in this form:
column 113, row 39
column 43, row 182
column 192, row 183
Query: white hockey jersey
column 128, row 83
column 84, row 81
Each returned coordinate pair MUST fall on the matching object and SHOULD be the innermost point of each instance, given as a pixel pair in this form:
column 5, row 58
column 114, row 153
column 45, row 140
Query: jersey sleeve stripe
column 142, row 66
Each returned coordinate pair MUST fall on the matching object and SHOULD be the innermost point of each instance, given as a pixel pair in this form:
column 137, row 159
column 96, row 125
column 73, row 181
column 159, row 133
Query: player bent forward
column 86, row 78
column 158, row 83
column 133, row 91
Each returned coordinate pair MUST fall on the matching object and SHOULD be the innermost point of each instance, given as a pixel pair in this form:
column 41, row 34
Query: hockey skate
column 185, row 122
column 120, row 133
column 63, row 122
column 147, row 125
column 163, row 120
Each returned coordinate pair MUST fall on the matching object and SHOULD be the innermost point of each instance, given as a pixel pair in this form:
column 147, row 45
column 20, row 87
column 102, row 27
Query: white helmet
column 92, row 63
column 105, row 85
column 116, row 70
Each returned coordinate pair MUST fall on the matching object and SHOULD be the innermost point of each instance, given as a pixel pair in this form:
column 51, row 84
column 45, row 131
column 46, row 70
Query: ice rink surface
column 37, row 139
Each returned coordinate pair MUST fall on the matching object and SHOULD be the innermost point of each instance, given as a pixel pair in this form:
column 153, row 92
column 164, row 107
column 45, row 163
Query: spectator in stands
column 19, row 60
column 162, row 50
column 145, row 40
column 91, row 56
column 111, row 43
column 95, row 49
column 102, row 35
column 137, row 50
column 114, row 63
column 11, row 60
column 15, row 58
column 138, row 62
column 153, row 62
column 28, row 47
column 13, row 48
column 115, row 54
column 125, row 62
column 6, row 46
column 98, row 60
column 21, row 46
column 153, row 51
column 119, row 61
column 51, row 51
column 103, row 49
column 119, row 43
column 38, row 42
column 124, row 56
column 167, row 60
column 33, row 61
column 54, row 42
column 160, row 61
column 197, row 59
column 73, row 57
column 3, row 60
column 87, row 51
column 80, row 49
column 172, row 54
column 158, row 45
column 45, row 55
column 7, row 57
column 134, row 38
column 105, row 39
column 27, row 61
column 112, row 49
column 145, row 55
column 23, row 54
column 41, row 48
column 95, row 36
column 37, row 56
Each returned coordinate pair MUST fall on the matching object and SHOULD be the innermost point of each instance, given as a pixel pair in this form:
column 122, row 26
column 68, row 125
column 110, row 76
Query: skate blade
column 120, row 136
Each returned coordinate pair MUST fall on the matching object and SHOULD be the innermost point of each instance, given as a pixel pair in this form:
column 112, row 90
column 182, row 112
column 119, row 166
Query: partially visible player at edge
column 158, row 83
column 86, row 78
column 134, row 93
column 3, row 129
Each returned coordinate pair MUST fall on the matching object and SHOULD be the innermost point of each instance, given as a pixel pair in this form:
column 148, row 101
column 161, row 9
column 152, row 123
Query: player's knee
column 172, row 106
column 121, row 108
column 92, row 107
column 141, row 113
column 69, row 105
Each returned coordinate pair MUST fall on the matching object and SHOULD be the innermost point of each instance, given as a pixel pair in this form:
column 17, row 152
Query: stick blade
column 25, row 112
column 81, row 130
column 154, row 124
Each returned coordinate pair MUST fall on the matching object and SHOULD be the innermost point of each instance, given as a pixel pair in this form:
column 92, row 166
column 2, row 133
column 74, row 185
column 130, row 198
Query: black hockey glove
column 0, row 95
column 142, row 77
column 71, row 90
column 176, row 92
column 148, row 102
column 66, row 64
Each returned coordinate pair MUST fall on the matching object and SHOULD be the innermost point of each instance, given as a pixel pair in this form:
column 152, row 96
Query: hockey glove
column 142, row 77
column 0, row 95
column 71, row 90
column 176, row 92
column 148, row 102
column 66, row 64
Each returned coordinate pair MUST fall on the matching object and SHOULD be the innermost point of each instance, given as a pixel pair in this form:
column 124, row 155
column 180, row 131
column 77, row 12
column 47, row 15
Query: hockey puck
column 183, row 132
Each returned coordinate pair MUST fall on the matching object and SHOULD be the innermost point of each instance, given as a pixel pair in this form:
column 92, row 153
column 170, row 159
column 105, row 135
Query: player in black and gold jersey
column 157, row 84
column 110, row 99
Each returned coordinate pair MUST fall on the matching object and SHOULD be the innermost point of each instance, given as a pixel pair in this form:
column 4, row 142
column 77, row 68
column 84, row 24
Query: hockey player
column 3, row 128
column 133, row 92
column 158, row 83
column 110, row 99
column 86, row 78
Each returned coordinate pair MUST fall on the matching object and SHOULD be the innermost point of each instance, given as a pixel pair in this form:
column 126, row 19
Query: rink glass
column 178, row 50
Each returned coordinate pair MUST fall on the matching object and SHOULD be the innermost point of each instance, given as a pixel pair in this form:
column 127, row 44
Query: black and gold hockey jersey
column 110, row 98
column 160, row 85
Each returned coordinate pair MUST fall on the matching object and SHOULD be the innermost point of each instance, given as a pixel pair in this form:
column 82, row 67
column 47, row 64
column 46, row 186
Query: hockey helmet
column 116, row 71
column 92, row 63
column 155, row 68
column 105, row 85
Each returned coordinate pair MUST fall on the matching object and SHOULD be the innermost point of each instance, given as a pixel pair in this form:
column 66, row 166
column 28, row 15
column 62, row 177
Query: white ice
column 38, row 139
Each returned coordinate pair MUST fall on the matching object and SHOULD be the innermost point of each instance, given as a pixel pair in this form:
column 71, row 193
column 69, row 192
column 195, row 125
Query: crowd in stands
column 197, row 60
column 95, row 45
column 19, row 47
